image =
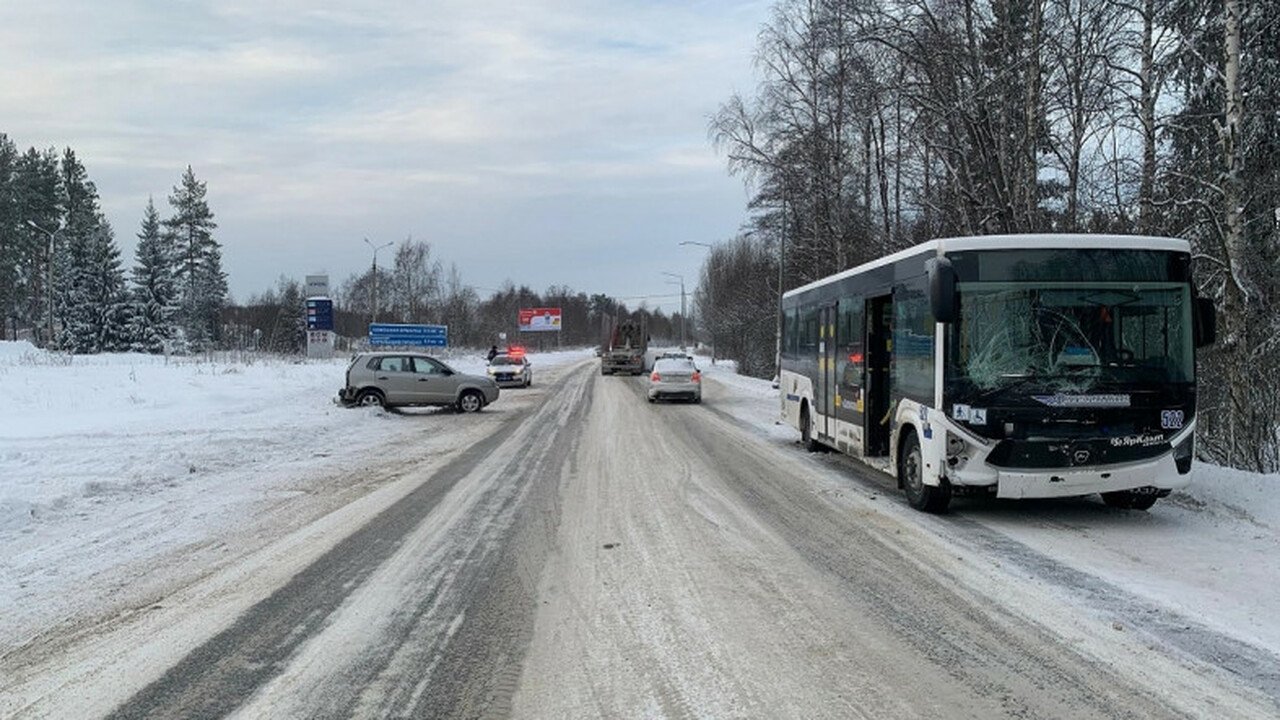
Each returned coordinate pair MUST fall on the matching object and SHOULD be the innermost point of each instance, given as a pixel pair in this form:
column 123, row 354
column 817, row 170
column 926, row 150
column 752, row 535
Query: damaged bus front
column 1070, row 370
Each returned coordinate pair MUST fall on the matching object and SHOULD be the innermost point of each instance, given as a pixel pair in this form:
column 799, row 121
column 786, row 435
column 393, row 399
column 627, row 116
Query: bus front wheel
column 929, row 498
column 806, row 431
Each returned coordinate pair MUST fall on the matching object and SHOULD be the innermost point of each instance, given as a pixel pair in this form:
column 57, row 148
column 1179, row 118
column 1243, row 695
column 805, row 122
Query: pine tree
column 155, row 293
column 202, row 286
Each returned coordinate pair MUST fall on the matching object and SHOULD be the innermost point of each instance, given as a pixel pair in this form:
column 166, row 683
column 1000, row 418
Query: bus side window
column 791, row 333
column 849, row 335
column 809, row 331
column 912, row 348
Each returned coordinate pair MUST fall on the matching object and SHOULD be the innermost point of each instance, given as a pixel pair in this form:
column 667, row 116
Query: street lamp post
column 32, row 223
column 374, row 292
column 682, row 311
column 782, row 259
column 711, row 296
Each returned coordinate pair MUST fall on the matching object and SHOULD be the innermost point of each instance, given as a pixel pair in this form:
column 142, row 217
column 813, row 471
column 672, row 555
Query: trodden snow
column 108, row 462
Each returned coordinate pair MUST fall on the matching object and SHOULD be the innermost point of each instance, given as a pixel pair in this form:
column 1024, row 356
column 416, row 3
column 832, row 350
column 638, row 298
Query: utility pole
column 711, row 295
column 49, row 291
column 374, row 293
column 782, row 259
column 681, row 277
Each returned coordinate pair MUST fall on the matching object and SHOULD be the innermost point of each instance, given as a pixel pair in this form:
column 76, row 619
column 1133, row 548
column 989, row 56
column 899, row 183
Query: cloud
column 468, row 122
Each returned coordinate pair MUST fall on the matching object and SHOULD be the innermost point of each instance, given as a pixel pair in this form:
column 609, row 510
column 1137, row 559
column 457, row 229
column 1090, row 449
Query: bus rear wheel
column 928, row 498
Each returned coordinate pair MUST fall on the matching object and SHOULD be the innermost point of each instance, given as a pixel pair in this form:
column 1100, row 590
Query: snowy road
column 576, row 552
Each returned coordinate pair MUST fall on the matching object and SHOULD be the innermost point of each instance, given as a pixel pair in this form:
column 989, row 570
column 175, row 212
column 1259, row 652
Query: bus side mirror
column 942, row 290
column 1206, row 325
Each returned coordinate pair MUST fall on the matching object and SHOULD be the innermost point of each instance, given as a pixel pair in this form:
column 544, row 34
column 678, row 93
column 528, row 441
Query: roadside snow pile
column 20, row 352
column 1236, row 495
column 10, row 348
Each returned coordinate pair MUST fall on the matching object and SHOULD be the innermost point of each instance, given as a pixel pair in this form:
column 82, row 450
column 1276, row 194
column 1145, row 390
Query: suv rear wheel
column 371, row 398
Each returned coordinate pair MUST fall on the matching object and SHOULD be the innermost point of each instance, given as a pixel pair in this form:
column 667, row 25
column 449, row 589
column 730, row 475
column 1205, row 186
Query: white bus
column 1024, row 366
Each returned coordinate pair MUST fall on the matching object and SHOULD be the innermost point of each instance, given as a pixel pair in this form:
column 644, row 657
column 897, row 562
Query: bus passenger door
column 878, row 354
column 826, row 390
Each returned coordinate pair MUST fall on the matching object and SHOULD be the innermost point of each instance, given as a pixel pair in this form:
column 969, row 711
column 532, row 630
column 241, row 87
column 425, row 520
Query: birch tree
column 1224, row 186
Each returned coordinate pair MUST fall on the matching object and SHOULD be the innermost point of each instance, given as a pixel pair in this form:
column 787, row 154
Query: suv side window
column 423, row 366
column 394, row 364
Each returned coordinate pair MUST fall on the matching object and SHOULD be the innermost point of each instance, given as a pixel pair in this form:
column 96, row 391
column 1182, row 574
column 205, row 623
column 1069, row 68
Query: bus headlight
column 1183, row 452
column 956, row 447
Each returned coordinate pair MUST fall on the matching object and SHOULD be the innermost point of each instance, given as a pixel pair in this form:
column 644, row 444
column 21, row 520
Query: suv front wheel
column 471, row 401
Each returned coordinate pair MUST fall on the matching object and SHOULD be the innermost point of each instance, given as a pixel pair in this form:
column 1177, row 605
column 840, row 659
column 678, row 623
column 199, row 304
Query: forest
column 877, row 124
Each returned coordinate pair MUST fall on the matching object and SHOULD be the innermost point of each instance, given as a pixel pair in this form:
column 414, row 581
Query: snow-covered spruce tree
column 11, row 232
column 202, row 286
column 79, row 203
column 210, row 299
column 108, row 298
column 288, row 333
column 91, row 294
column 38, row 192
column 155, row 292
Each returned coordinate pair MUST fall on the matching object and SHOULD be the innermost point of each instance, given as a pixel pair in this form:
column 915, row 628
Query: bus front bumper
column 1160, row 473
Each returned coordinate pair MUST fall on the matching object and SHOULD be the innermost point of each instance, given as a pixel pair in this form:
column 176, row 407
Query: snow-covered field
column 108, row 462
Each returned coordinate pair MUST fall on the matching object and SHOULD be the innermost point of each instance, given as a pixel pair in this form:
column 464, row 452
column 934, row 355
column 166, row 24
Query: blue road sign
column 409, row 335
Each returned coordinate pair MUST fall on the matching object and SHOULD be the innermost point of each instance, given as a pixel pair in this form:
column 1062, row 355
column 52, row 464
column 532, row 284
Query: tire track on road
column 974, row 645
column 1250, row 664
column 216, row 678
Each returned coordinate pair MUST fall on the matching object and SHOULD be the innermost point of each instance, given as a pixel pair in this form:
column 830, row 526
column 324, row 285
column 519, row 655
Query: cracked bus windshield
column 1071, row 337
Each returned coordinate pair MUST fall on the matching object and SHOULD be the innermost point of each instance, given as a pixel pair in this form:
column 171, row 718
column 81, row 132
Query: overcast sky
column 539, row 141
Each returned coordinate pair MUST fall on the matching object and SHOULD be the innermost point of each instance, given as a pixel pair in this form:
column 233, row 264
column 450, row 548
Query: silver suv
column 394, row 379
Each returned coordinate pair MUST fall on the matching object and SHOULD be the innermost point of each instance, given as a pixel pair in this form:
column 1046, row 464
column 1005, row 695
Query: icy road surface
column 576, row 552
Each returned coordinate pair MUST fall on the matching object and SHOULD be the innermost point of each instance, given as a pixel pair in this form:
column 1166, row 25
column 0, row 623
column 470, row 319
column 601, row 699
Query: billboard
column 540, row 320
column 409, row 335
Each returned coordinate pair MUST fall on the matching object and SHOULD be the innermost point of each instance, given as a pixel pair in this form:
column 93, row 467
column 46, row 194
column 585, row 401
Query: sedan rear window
column 674, row 364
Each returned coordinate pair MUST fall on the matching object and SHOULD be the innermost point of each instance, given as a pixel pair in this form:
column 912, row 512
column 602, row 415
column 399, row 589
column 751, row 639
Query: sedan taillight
column 697, row 376
column 654, row 377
